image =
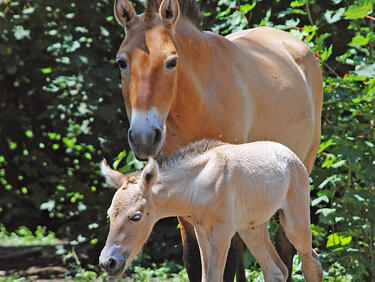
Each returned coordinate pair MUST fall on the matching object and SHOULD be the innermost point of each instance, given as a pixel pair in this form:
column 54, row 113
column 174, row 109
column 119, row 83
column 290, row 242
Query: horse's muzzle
column 145, row 143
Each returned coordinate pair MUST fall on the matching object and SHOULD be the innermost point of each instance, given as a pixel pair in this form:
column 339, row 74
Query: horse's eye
column 171, row 63
column 122, row 64
column 135, row 217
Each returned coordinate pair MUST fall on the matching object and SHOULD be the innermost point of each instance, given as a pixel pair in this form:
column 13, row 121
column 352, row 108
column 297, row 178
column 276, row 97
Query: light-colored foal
column 221, row 189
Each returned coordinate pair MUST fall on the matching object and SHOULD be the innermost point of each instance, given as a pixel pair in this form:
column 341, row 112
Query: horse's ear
column 150, row 173
column 112, row 177
column 169, row 11
column 125, row 13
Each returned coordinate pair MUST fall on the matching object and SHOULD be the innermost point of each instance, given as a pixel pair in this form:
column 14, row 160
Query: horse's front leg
column 219, row 243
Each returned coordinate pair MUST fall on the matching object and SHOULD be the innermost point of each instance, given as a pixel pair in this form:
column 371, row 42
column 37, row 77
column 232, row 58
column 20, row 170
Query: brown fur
column 236, row 89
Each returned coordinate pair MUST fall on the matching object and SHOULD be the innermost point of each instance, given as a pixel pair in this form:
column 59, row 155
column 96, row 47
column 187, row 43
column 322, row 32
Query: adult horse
column 181, row 84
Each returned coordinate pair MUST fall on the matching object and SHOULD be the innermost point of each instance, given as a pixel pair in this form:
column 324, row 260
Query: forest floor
column 33, row 262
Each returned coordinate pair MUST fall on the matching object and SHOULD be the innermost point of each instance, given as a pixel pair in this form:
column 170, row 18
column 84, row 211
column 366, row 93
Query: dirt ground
column 36, row 262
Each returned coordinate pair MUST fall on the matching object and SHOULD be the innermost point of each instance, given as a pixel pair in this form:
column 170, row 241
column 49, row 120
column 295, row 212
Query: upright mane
column 189, row 9
column 194, row 149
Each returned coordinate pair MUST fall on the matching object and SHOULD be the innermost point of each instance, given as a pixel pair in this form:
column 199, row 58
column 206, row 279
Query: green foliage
column 61, row 112
column 24, row 237
column 343, row 191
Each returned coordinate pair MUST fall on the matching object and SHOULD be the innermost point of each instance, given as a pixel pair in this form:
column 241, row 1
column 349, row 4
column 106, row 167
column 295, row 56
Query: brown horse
column 181, row 84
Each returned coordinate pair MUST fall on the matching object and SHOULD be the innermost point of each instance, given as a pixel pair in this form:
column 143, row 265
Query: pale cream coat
column 221, row 189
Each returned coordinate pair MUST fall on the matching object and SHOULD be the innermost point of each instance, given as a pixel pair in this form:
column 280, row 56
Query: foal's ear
column 112, row 177
column 125, row 13
column 169, row 11
column 150, row 173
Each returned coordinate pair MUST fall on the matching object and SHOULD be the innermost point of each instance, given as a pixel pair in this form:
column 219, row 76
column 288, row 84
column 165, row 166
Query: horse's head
column 148, row 60
column 131, row 217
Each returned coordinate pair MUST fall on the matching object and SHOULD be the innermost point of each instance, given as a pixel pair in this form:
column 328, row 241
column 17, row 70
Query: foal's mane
column 192, row 150
column 189, row 9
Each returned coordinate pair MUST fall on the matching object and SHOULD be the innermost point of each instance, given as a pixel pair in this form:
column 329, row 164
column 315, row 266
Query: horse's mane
column 189, row 9
column 192, row 150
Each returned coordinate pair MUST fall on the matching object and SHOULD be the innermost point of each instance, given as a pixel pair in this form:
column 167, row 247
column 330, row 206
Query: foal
column 221, row 189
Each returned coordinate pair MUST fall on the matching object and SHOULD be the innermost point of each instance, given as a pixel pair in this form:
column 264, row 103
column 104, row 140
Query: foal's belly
column 257, row 206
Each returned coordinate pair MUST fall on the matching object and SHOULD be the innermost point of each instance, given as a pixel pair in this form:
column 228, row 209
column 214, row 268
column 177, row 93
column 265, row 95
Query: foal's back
column 260, row 174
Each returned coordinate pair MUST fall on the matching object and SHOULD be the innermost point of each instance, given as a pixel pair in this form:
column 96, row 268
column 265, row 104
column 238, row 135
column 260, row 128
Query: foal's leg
column 219, row 243
column 295, row 219
column 204, row 247
column 258, row 241
column 192, row 261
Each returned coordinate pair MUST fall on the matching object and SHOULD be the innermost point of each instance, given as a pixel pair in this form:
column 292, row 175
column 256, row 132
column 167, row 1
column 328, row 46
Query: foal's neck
column 174, row 191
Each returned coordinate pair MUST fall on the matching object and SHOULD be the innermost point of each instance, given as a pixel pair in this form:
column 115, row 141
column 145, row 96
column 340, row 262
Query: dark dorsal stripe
column 189, row 9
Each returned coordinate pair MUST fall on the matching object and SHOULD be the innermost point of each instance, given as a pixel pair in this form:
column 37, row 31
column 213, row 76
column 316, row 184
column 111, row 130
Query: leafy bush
column 62, row 112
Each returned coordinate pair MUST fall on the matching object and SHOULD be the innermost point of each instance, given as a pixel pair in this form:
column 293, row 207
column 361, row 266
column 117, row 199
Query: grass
column 167, row 271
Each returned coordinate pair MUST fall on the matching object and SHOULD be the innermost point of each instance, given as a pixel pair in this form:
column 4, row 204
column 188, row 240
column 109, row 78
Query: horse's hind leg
column 258, row 241
column 295, row 219
column 191, row 253
column 240, row 248
column 285, row 250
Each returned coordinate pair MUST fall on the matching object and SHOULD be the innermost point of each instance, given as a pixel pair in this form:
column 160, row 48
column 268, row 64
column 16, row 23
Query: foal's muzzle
column 111, row 261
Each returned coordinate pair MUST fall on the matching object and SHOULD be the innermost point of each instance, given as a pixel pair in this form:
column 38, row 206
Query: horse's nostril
column 130, row 136
column 157, row 137
column 111, row 264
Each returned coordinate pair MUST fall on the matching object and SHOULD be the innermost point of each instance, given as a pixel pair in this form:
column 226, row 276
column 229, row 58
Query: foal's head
column 148, row 61
column 131, row 217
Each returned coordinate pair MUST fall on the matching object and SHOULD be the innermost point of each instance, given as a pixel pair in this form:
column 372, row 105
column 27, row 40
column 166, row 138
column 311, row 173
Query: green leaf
column 298, row 3
column 338, row 164
column 29, row 134
column 359, row 40
column 69, row 142
column 21, row 33
column 81, row 207
column 28, row 11
column 359, row 10
column 334, row 17
column 325, row 145
column 326, row 53
column 337, row 240
column 326, row 211
column 317, row 201
column 49, row 205
column 248, row 7
column 46, row 70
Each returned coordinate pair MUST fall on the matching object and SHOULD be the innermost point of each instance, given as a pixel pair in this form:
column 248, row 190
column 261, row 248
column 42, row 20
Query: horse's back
column 285, row 85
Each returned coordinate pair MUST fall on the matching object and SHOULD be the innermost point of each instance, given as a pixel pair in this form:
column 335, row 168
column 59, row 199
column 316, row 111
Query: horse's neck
column 193, row 102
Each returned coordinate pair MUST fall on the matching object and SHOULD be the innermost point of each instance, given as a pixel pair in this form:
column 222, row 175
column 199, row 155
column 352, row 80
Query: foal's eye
column 136, row 217
column 171, row 63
